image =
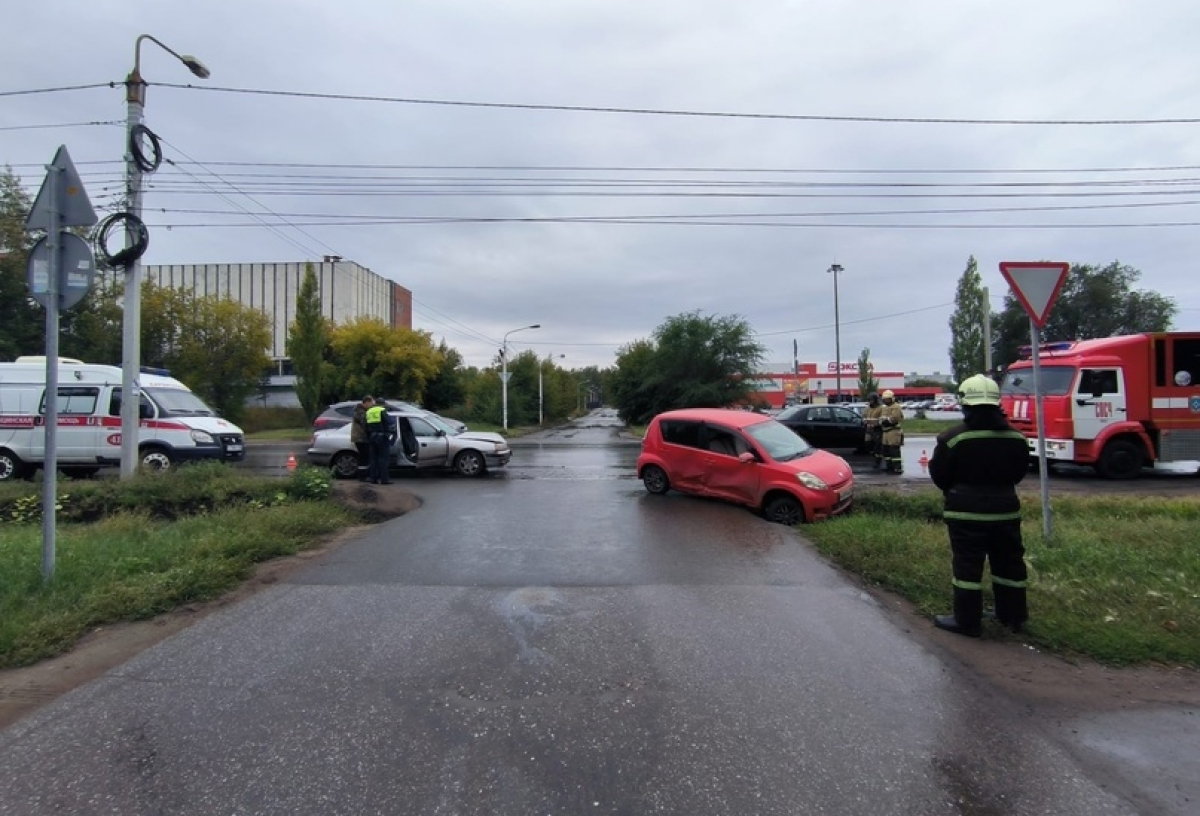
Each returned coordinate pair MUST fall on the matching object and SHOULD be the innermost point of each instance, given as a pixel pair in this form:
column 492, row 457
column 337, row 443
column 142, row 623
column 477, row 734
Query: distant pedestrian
column 873, row 433
column 359, row 436
column 381, row 430
column 977, row 465
column 891, row 435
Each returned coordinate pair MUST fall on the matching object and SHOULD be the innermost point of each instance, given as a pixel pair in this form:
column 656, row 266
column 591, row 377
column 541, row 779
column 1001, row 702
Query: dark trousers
column 364, row 458
column 999, row 543
column 381, row 448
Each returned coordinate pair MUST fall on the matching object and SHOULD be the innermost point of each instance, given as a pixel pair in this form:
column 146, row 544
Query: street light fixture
column 131, row 346
column 837, row 332
column 541, row 399
column 504, row 364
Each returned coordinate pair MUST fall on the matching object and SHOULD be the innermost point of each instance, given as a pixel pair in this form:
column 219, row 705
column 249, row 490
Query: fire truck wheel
column 1120, row 459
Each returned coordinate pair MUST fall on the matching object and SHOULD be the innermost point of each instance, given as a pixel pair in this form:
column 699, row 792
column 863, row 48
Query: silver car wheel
column 469, row 463
column 344, row 464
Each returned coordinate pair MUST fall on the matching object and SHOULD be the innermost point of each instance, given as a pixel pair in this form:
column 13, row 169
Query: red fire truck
column 1117, row 403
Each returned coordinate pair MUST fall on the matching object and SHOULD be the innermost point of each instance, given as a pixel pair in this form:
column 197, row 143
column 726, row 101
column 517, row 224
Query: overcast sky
column 796, row 158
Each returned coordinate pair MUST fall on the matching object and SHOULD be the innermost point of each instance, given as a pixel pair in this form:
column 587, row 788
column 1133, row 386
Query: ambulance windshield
column 177, row 402
column 1056, row 381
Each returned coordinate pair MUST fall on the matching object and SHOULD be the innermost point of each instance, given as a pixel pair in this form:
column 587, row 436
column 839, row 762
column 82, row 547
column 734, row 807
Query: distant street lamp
column 541, row 399
column 131, row 345
column 837, row 332
column 504, row 364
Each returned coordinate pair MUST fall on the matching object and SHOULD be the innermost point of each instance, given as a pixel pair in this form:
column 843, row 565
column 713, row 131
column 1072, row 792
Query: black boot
column 968, row 614
column 1011, row 607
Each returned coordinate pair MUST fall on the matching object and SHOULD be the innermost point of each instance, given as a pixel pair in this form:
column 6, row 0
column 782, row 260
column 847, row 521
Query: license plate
column 843, row 495
column 234, row 448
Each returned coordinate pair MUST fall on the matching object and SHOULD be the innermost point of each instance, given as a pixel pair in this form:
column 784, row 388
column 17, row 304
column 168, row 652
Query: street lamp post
column 131, row 347
column 541, row 398
column 504, row 364
column 837, row 332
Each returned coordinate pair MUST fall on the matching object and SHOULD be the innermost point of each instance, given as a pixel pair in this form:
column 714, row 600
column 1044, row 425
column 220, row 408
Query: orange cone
column 291, row 462
column 923, row 461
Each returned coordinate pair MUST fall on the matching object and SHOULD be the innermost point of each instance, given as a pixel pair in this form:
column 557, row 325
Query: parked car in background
column 340, row 413
column 469, row 453
column 746, row 458
column 826, row 426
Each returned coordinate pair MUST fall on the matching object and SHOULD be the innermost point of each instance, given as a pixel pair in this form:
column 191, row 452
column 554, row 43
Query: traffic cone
column 291, row 462
column 923, row 461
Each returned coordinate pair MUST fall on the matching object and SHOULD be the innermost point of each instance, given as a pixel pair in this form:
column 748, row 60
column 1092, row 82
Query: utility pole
column 836, row 269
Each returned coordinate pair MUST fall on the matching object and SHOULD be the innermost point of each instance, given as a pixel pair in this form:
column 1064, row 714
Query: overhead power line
column 793, row 117
column 61, row 125
column 32, row 91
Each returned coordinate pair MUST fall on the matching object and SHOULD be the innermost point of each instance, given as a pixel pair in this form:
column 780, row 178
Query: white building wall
column 348, row 291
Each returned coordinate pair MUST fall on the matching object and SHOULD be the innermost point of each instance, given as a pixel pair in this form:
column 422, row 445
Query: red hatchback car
column 745, row 458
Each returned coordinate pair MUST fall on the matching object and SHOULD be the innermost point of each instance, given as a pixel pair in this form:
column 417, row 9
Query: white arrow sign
column 1036, row 284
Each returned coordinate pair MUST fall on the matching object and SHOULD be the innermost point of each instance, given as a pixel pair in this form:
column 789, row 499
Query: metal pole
column 504, row 382
column 131, row 336
column 541, row 393
column 837, row 332
column 1043, row 476
column 987, row 333
column 50, row 429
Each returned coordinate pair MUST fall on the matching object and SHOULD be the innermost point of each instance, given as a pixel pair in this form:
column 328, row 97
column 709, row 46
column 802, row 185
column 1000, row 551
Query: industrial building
column 348, row 292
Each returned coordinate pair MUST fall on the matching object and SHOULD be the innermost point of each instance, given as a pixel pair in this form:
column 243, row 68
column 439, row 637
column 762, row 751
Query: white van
column 176, row 425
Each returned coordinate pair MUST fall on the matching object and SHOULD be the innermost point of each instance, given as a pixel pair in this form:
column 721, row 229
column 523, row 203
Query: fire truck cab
column 1118, row 404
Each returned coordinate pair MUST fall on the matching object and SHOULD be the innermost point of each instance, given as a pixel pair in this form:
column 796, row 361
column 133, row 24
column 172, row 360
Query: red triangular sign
column 1036, row 284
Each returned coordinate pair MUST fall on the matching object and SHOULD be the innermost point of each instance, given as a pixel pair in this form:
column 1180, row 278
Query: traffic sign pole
column 50, row 462
column 1036, row 285
column 60, row 203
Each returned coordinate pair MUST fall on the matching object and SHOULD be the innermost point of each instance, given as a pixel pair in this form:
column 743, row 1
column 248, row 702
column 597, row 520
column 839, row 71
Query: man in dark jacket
column 977, row 465
column 359, row 437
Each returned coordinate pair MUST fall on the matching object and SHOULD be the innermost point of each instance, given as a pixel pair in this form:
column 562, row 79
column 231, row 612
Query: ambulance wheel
column 156, row 459
column 12, row 468
column 1120, row 459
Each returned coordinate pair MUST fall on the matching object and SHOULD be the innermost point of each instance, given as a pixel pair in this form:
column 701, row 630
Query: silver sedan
column 438, row 445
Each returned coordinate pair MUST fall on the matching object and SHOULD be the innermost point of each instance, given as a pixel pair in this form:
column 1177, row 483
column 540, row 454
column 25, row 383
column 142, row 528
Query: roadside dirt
column 1041, row 681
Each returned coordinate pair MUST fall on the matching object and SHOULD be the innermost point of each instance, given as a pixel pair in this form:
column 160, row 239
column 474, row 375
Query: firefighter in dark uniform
column 891, row 437
column 874, row 435
column 977, row 465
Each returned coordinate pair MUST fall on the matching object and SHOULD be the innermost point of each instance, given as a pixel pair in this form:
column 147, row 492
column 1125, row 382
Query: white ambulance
column 176, row 426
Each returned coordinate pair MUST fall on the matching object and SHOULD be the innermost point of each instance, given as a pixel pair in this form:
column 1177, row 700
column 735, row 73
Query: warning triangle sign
column 74, row 207
column 1036, row 284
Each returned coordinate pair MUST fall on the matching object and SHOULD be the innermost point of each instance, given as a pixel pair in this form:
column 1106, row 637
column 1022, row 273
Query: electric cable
column 135, row 147
column 130, row 224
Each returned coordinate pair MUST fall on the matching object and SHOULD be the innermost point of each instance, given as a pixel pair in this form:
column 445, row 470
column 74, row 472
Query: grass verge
column 1118, row 581
column 163, row 541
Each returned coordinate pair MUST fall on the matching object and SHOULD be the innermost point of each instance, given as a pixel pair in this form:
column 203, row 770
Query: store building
column 787, row 383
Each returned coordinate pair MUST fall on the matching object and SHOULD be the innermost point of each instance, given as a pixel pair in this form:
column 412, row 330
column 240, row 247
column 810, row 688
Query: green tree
column 1094, row 302
column 694, row 361
column 446, row 389
column 22, row 320
column 967, row 343
column 308, row 339
column 91, row 331
column 867, row 384
column 222, row 353
column 370, row 357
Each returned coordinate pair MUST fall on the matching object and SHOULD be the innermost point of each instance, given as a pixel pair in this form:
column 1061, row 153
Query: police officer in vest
column 381, row 431
column 977, row 465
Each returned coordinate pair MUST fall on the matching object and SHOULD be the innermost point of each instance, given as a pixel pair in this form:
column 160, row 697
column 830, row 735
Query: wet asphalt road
column 553, row 640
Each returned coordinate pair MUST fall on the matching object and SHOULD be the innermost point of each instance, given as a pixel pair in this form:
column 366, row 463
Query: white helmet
column 888, row 394
column 979, row 390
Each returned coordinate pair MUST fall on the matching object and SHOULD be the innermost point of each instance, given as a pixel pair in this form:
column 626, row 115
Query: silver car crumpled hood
column 482, row 436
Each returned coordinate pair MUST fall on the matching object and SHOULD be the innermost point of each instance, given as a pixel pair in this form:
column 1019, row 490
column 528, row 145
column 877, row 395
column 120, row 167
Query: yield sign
column 1036, row 284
